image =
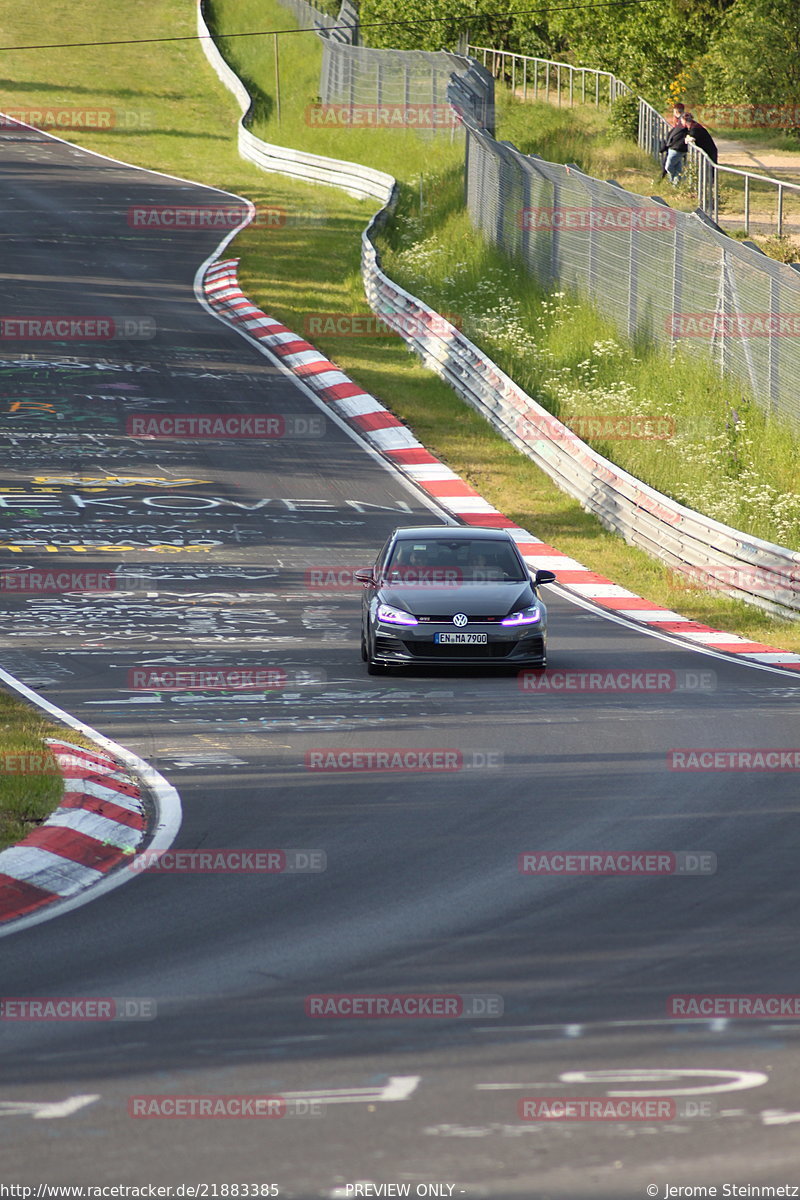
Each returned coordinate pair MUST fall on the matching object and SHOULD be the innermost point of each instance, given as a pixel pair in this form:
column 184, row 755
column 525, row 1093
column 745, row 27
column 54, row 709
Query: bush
column 624, row 117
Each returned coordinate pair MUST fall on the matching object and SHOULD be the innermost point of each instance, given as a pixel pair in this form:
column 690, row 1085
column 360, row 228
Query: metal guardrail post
column 780, row 210
column 747, row 203
column 525, row 80
column 571, row 83
column 558, row 82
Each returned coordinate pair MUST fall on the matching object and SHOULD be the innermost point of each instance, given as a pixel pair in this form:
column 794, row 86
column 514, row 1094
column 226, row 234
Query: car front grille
column 431, row 650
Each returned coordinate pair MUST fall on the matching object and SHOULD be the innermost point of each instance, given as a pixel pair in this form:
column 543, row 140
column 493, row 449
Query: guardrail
column 535, row 72
column 749, row 568
column 550, row 74
column 354, row 178
column 763, row 574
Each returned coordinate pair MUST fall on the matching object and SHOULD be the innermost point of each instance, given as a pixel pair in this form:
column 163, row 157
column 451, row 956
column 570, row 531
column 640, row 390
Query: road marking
column 44, row 1110
column 776, row 1116
column 731, row 1081
column 398, row 1087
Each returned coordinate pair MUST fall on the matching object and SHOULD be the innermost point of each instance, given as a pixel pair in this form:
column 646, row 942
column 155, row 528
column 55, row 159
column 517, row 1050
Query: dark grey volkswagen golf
column 444, row 594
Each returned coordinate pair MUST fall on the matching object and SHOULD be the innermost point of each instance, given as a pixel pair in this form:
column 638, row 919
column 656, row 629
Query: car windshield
column 460, row 560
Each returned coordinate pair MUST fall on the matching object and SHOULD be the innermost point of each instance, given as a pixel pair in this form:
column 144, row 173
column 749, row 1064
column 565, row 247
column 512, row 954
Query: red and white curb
column 98, row 825
column 387, row 434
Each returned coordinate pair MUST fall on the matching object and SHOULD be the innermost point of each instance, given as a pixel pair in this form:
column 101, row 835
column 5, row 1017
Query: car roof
column 446, row 533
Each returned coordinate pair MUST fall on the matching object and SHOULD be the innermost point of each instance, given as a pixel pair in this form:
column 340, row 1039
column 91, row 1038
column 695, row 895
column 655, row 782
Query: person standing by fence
column 674, row 145
column 699, row 136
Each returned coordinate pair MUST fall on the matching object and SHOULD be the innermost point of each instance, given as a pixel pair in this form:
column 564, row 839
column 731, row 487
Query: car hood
column 475, row 600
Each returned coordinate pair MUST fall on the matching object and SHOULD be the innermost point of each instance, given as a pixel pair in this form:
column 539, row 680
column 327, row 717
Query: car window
column 469, row 560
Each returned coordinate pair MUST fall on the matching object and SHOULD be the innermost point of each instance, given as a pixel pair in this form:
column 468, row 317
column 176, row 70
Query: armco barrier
column 751, row 569
column 357, row 180
column 686, row 541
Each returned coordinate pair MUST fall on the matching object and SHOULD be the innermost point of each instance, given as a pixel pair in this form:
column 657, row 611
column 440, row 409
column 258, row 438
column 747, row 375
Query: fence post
column 747, row 203
column 524, row 79
column 780, row 210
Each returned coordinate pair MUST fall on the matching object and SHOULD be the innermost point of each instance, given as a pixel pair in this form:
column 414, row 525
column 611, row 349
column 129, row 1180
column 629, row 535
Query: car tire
column 364, row 655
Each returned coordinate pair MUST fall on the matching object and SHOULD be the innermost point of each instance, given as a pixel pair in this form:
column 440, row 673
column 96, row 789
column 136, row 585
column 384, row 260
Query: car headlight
column 524, row 616
column 395, row 616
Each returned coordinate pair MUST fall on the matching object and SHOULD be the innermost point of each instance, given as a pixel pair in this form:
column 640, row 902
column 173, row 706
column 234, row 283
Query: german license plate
column 461, row 639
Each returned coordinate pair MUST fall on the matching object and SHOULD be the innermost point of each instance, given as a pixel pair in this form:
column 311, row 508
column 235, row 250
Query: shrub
column 624, row 117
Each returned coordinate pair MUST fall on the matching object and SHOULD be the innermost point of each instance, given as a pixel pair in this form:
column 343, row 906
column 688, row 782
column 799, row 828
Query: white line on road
column 43, row 1110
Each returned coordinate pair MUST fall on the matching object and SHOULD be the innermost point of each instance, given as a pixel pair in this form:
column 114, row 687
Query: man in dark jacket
column 698, row 134
column 675, row 147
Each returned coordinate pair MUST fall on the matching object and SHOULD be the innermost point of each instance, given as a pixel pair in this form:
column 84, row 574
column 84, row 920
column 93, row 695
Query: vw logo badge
column 460, row 620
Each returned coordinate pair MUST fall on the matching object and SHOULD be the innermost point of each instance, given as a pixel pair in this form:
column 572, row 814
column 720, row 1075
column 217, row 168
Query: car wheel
column 364, row 655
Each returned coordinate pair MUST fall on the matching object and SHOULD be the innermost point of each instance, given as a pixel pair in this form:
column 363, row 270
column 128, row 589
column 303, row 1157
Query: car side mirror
column 544, row 577
column 364, row 576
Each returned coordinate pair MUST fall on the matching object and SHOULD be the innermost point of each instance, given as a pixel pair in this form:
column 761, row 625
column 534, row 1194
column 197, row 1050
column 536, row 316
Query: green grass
column 28, row 794
column 313, row 263
column 723, row 456
column 401, row 152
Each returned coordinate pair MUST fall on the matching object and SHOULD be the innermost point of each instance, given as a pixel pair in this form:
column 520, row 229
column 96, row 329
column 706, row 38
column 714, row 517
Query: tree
column 756, row 57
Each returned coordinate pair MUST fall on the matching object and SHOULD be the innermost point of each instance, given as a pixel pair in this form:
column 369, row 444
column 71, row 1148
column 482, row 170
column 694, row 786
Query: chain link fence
column 662, row 275
column 408, row 88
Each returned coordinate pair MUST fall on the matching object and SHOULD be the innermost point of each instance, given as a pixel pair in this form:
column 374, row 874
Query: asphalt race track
column 211, row 542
